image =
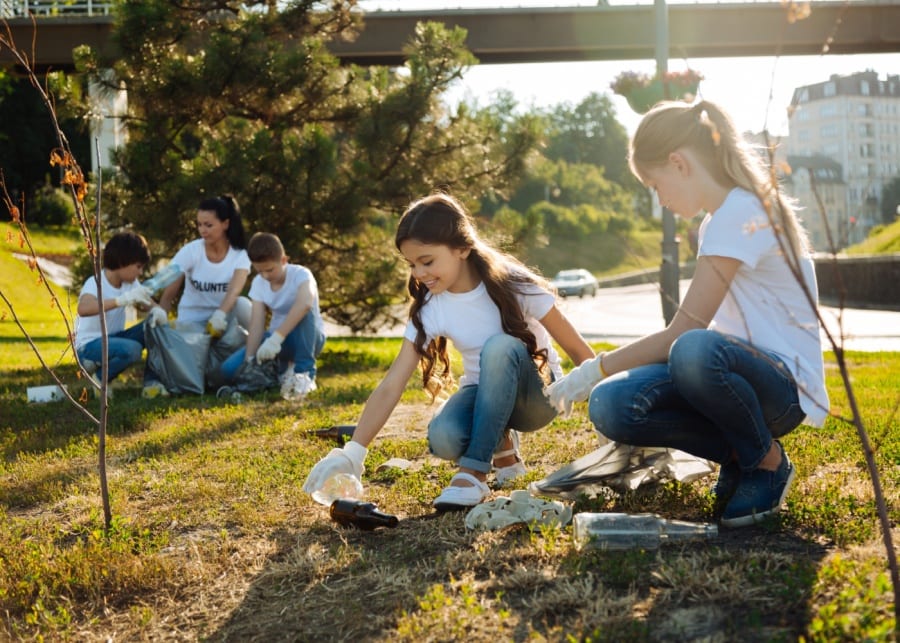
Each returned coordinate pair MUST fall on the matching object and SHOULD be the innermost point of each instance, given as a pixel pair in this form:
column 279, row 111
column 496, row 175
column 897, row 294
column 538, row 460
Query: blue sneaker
column 759, row 494
column 727, row 482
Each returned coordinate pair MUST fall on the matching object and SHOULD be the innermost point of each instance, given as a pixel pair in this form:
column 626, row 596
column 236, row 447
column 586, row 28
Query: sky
column 742, row 85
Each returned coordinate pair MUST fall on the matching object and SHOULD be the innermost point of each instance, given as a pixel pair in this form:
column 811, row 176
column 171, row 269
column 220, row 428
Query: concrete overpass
column 516, row 35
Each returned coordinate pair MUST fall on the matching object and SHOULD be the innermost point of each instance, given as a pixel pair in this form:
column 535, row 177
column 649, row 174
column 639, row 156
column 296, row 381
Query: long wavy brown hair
column 439, row 219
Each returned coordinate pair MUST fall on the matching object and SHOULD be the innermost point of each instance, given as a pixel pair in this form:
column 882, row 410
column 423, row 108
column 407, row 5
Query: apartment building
column 847, row 126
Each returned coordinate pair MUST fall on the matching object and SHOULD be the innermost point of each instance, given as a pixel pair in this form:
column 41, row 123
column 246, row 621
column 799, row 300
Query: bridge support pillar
column 109, row 105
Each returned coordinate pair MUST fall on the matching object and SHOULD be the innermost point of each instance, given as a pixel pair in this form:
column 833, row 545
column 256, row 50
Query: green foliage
column 52, row 206
column 250, row 102
column 884, row 239
column 890, row 200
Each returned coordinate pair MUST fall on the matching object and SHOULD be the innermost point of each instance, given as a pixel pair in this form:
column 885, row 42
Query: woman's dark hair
column 124, row 249
column 439, row 219
column 226, row 209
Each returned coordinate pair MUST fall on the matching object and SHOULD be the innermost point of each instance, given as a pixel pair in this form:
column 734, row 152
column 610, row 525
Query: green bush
column 51, row 206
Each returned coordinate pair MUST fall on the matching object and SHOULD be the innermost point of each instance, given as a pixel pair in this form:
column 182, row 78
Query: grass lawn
column 213, row 538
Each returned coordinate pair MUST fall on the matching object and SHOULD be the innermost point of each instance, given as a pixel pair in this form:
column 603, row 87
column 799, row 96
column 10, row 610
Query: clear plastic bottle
column 617, row 531
column 163, row 278
column 343, row 486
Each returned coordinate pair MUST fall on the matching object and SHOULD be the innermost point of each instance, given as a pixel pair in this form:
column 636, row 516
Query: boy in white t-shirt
column 295, row 335
column 124, row 257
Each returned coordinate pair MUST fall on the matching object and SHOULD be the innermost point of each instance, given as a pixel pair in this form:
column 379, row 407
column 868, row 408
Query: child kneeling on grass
column 501, row 317
column 296, row 335
column 124, row 258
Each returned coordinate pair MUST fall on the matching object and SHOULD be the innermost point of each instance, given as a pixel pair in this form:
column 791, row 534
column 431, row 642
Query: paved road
column 620, row 315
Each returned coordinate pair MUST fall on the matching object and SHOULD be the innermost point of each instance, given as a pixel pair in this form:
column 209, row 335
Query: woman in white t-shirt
column 215, row 269
column 740, row 364
column 500, row 316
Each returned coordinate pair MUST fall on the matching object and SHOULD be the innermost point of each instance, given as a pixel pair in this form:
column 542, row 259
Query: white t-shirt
column 469, row 319
column 205, row 282
column 88, row 328
column 765, row 305
column 280, row 301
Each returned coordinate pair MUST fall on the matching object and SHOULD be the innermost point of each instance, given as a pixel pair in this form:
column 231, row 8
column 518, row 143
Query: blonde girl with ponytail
column 740, row 364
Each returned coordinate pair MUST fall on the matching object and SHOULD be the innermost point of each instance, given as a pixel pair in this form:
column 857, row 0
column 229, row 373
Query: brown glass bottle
column 340, row 433
column 360, row 514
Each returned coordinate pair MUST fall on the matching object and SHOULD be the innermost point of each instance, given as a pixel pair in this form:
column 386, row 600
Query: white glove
column 347, row 460
column 217, row 324
column 137, row 295
column 270, row 348
column 574, row 387
column 157, row 317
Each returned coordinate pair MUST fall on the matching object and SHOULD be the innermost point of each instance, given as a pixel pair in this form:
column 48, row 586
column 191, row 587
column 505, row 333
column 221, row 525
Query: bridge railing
column 48, row 8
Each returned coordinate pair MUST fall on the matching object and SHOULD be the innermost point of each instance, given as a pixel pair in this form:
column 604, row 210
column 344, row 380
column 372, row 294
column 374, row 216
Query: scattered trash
column 50, row 393
column 519, row 507
column 363, row 515
column 621, row 467
column 341, row 486
column 617, row 531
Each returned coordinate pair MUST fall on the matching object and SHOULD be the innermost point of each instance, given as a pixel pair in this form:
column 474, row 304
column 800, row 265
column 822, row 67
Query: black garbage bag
column 254, row 376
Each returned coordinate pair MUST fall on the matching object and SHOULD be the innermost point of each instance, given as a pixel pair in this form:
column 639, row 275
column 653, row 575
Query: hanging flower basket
column 643, row 91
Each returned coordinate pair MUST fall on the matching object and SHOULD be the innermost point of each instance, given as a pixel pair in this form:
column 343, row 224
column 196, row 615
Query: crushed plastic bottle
column 163, row 278
column 617, row 531
column 343, row 486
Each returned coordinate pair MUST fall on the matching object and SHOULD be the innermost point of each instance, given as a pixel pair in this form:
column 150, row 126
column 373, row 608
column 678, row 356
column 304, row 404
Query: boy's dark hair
column 226, row 209
column 124, row 249
column 265, row 246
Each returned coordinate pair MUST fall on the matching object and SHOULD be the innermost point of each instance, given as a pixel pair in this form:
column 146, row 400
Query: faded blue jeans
column 716, row 397
column 125, row 348
column 469, row 427
column 301, row 346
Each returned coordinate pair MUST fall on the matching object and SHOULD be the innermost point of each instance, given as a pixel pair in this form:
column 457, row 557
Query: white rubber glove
column 137, row 295
column 574, row 387
column 270, row 348
column 217, row 324
column 157, row 317
column 347, row 460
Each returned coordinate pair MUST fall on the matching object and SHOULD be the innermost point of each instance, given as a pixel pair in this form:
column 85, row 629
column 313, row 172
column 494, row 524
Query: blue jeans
column 301, row 346
column 471, row 424
column 125, row 348
column 717, row 397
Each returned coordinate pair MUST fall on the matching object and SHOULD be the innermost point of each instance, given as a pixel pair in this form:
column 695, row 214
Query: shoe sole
column 750, row 519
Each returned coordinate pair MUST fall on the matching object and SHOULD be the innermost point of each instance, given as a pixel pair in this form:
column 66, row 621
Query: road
column 620, row 315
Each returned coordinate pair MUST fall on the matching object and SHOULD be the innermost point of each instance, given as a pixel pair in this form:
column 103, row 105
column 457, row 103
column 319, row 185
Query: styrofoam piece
column 49, row 393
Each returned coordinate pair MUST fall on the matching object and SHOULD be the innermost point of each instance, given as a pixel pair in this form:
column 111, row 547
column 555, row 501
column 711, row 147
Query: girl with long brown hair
column 500, row 316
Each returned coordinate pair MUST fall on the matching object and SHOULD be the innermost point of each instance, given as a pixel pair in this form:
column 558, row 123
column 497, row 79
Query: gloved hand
column 217, row 324
column 347, row 460
column 157, row 317
column 270, row 348
column 574, row 387
column 137, row 295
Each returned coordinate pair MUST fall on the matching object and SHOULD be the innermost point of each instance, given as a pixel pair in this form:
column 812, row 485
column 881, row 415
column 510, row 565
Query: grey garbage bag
column 621, row 467
column 233, row 339
column 177, row 358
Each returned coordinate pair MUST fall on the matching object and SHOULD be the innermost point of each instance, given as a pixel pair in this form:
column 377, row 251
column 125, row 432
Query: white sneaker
column 89, row 366
column 297, row 386
column 96, row 388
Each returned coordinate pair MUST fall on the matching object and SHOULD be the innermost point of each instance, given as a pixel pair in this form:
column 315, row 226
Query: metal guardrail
column 49, row 8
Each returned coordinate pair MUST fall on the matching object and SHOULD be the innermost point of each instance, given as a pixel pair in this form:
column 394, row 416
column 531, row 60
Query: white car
column 575, row 282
